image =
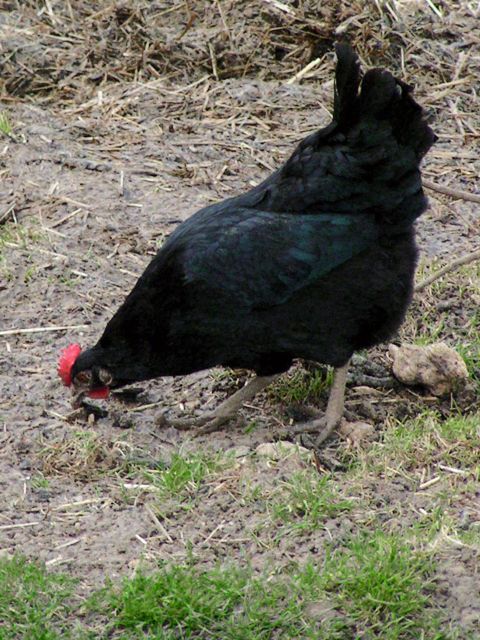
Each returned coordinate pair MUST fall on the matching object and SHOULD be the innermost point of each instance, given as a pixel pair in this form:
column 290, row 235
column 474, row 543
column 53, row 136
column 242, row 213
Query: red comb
column 66, row 362
column 67, row 359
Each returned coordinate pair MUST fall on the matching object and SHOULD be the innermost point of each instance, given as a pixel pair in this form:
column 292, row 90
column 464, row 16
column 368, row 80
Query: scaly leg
column 334, row 412
column 213, row 420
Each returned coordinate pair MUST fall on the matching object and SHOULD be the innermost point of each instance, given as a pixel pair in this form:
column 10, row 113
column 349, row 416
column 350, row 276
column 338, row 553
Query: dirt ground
column 103, row 160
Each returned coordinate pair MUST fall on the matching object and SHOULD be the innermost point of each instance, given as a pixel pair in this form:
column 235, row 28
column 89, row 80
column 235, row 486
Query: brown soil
column 124, row 124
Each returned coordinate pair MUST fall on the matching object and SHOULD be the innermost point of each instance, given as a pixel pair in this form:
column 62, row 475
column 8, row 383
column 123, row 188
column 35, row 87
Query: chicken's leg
column 334, row 412
column 213, row 420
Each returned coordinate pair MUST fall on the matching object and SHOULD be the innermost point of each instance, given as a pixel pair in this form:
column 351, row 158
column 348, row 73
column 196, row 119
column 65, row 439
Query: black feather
column 347, row 81
column 315, row 262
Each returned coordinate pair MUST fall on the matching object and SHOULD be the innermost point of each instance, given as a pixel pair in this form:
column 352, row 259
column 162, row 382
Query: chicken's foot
column 325, row 425
column 213, row 420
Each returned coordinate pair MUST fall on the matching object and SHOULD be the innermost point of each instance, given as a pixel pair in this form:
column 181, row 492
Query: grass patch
column 178, row 483
column 8, row 234
column 376, row 587
column 306, row 500
column 189, row 602
column 301, row 386
column 427, row 322
column 384, row 585
column 183, row 475
column 34, row 604
column 471, row 538
column 38, row 481
column 469, row 348
column 5, row 124
column 17, row 236
column 428, row 440
column 88, row 456
column 439, row 458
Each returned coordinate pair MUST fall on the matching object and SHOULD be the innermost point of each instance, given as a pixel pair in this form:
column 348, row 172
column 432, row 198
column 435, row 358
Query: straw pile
column 106, row 55
column 63, row 48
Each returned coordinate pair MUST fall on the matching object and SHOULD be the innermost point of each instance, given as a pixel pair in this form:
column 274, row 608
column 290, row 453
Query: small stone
column 364, row 390
column 242, row 451
column 281, row 449
column 356, row 432
column 436, row 367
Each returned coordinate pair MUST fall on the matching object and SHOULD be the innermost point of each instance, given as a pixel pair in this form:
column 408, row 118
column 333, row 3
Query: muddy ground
column 92, row 187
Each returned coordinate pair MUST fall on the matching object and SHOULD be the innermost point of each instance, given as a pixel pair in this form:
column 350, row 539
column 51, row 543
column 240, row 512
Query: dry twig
column 14, row 332
column 452, row 266
column 454, row 193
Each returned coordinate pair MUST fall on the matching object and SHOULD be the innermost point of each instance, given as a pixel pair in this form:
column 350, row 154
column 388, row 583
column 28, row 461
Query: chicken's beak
column 80, row 387
column 88, row 381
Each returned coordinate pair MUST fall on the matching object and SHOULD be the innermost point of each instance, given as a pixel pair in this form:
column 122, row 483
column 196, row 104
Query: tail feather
column 367, row 159
column 381, row 97
column 386, row 98
column 347, row 81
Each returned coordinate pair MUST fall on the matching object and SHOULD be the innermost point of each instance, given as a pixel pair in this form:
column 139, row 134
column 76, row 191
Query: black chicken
column 315, row 262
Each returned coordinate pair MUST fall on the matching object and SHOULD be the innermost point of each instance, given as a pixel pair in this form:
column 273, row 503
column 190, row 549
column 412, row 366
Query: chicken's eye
column 84, row 377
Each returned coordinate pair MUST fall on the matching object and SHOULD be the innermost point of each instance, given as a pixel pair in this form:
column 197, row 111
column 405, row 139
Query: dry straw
column 102, row 59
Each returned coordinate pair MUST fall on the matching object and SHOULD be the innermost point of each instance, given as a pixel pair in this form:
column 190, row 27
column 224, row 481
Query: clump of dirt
column 436, row 367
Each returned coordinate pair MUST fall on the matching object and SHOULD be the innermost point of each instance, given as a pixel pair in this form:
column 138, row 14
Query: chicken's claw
column 206, row 423
column 214, row 420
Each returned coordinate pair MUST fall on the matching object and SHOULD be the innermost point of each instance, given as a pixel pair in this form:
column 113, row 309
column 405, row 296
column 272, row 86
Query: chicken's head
column 94, row 381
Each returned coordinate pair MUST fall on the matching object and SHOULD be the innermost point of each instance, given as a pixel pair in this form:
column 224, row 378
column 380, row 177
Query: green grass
column 183, row 601
column 34, row 604
column 5, row 124
column 68, row 281
column 436, row 330
column 427, row 439
column 18, row 236
column 184, row 474
column 466, row 344
column 30, row 274
column 471, row 537
column 384, row 585
column 87, row 456
column 8, row 234
column 301, row 386
column 425, row 324
column 180, row 483
column 38, row 481
column 376, row 586
column 424, row 450
column 306, row 500
column 469, row 348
